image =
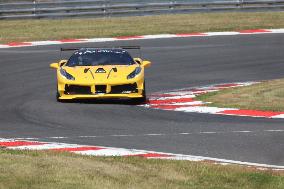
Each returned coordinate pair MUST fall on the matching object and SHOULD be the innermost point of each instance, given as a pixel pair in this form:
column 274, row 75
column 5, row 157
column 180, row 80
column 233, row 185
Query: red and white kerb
column 184, row 100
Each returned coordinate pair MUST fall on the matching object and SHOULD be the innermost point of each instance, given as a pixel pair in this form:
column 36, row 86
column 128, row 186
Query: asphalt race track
column 29, row 109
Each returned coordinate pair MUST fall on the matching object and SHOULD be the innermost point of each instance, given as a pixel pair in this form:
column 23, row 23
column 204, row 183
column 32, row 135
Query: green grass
column 268, row 96
column 31, row 30
column 40, row 170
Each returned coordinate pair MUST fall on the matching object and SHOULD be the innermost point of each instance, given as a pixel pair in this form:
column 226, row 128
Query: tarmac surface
column 29, row 108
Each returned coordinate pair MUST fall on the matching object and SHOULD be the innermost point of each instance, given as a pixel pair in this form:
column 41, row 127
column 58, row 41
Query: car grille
column 127, row 88
column 77, row 89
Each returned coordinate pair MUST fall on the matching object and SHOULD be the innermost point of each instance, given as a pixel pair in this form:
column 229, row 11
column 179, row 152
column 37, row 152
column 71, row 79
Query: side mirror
column 54, row 65
column 138, row 60
column 146, row 63
column 62, row 62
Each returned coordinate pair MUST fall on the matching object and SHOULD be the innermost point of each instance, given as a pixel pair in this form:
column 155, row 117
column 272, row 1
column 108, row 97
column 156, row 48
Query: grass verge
column 33, row 30
column 267, row 96
column 40, row 170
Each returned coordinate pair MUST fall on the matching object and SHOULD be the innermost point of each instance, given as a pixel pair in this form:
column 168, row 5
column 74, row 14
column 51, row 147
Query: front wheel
column 143, row 99
column 57, row 97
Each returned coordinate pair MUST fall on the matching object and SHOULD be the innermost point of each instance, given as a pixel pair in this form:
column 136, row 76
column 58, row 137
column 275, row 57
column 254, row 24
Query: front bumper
column 101, row 96
column 72, row 90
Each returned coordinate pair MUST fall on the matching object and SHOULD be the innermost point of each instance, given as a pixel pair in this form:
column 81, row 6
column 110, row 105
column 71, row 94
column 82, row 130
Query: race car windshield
column 100, row 57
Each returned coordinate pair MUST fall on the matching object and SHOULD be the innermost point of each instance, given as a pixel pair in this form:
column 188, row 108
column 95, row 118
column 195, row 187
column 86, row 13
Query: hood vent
column 100, row 70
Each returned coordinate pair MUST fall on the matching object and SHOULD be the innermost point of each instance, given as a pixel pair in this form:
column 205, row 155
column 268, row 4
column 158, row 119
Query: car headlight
column 66, row 74
column 134, row 73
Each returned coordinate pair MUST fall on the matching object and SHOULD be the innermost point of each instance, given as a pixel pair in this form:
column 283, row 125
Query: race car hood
column 100, row 73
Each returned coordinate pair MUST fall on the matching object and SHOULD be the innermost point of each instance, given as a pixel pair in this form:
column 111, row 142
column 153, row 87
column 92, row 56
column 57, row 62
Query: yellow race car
column 101, row 73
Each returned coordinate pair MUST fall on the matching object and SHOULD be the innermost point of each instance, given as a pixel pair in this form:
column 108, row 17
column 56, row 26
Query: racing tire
column 143, row 99
column 57, row 97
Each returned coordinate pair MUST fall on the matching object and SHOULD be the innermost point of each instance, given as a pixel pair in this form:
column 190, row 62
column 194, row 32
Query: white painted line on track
column 242, row 131
column 158, row 134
